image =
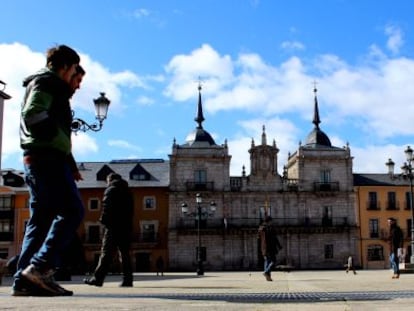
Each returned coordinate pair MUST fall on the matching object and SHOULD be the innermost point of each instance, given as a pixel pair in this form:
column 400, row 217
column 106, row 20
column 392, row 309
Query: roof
column 318, row 138
column 157, row 171
column 379, row 180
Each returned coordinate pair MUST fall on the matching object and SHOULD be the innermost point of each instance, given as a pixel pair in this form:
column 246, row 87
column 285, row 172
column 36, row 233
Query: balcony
column 373, row 206
column 6, row 236
column 253, row 223
column 326, row 186
column 392, row 206
column 199, row 186
column 235, row 183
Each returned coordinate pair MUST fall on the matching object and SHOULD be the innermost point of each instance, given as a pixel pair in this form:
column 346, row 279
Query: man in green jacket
column 56, row 209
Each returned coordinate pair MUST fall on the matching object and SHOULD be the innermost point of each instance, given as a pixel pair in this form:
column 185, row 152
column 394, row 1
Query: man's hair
column 59, row 56
column 392, row 219
column 80, row 70
column 113, row 176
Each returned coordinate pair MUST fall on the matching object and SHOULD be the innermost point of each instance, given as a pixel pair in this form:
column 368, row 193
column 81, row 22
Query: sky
column 257, row 62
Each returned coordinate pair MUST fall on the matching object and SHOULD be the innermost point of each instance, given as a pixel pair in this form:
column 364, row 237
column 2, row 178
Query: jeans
column 395, row 263
column 268, row 264
column 56, row 211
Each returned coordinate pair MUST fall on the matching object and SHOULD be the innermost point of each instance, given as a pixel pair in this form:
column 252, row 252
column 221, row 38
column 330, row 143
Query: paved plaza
column 297, row 290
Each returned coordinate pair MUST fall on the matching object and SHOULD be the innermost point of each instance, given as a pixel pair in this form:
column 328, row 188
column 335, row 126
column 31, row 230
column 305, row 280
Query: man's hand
column 77, row 176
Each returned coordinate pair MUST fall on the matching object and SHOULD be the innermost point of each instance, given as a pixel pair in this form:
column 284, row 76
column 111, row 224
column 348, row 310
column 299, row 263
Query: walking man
column 117, row 218
column 56, row 209
column 350, row 264
column 395, row 242
column 270, row 246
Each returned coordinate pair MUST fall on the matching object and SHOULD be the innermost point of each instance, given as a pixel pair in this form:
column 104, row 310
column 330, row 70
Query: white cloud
column 18, row 61
column 123, row 144
column 373, row 97
column 145, row 101
column 83, row 145
column 203, row 64
column 395, row 38
column 139, row 13
column 292, row 45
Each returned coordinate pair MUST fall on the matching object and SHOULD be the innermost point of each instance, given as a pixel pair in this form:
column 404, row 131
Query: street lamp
column 101, row 110
column 201, row 212
column 407, row 172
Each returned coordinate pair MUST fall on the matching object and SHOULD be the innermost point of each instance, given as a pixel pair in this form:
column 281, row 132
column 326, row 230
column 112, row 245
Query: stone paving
column 297, row 290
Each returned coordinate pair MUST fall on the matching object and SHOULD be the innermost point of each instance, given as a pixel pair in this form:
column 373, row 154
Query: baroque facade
column 312, row 203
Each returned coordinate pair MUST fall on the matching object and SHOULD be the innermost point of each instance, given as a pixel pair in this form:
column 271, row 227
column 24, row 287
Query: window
column 375, row 253
column 372, row 200
column 148, row 232
column 327, row 216
column 4, row 253
column 325, row 176
column 200, row 176
column 6, row 203
column 408, row 200
column 265, row 211
column 139, row 177
column 373, row 228
column 392, row 203
column 408, row 228
column 93, row 204
column 329, row 251
column 5, row 225
column 94, row 235
column 149, row 203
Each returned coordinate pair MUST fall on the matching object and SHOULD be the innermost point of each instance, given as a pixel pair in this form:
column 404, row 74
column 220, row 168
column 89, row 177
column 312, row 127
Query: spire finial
column 199, row 118
column 264, row 140
column 316, row 119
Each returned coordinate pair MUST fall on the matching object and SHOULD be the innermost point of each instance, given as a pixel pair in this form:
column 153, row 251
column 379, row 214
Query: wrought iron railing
column 227, row 223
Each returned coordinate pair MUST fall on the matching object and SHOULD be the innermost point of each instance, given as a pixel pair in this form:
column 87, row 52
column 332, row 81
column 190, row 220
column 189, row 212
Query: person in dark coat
column 117, row 218
column 395, row 241
column 269, row 245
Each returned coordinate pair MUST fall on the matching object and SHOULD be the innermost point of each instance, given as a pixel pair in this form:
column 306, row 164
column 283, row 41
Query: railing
column 7, row 236
column 373, row 205
column 150, row 237
column 199, row 186
column 235, row 183
column 326, row 186
column 392, row 205
column 227, row 223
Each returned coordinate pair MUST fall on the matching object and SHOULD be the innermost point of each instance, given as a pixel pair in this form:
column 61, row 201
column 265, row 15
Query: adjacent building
column 380, row 196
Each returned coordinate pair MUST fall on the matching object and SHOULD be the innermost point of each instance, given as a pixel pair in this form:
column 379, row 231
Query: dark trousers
column 111, row 244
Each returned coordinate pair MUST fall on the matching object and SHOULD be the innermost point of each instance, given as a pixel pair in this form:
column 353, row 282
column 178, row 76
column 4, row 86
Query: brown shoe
column 267, row 276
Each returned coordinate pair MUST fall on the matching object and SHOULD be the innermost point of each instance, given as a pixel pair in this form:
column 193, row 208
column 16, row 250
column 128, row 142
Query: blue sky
column 257, row 61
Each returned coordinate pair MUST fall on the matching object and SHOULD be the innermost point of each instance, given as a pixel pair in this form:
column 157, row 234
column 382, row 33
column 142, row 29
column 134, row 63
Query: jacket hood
column 41, row 73
column 119, row 183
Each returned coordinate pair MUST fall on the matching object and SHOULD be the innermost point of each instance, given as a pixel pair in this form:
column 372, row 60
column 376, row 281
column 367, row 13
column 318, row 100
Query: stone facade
column 312, row 203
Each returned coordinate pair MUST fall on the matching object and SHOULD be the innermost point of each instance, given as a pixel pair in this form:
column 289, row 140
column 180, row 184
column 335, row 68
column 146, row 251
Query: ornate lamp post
column 407, row 172
column 199, row 214
column 101, row 110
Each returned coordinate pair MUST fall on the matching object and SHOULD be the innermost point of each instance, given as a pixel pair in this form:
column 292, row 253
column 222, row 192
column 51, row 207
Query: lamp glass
column 198, row 198
column 101, row 107
column 405, row 169
column 390, row 165
column 409, row 154
column 184, row 208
